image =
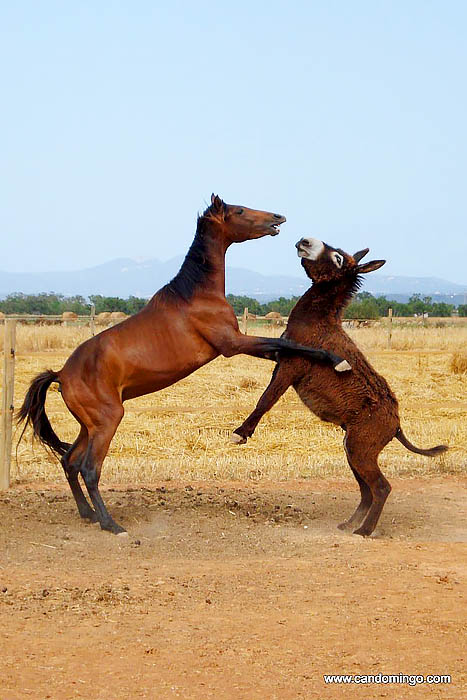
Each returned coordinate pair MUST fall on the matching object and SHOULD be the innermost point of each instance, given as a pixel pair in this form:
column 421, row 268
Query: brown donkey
column 185, row 325
column 360, row 401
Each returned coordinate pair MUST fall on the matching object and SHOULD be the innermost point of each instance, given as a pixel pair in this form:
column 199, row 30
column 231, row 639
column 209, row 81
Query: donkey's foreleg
column 280, row 382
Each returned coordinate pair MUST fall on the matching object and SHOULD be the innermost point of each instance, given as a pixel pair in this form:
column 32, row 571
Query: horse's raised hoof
column 343, row 366
column 237, row 439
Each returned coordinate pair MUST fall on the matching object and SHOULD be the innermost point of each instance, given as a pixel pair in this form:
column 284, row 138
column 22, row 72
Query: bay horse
column 185, row 325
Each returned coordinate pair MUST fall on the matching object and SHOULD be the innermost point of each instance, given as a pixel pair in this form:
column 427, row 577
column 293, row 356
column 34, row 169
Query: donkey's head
column 237, row 223
column 323, row 263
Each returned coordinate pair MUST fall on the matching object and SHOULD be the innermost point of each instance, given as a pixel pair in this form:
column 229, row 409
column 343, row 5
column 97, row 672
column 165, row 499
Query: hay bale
column 103, row 318
column 2, row 315
column 117, row 316
column 69, row 316
column 273, row 314
column 459, row 362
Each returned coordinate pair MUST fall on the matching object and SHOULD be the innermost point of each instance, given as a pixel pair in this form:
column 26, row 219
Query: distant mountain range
column 124, row 277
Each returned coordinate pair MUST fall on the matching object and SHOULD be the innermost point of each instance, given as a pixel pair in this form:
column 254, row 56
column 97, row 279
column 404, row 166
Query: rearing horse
column 185, row 325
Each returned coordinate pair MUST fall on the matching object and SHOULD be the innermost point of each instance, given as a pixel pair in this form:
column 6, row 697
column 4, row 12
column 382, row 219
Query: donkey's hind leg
column 100, row 437
column 71, row 462
column 365, row 501
column 280, row 382
column 363, row 458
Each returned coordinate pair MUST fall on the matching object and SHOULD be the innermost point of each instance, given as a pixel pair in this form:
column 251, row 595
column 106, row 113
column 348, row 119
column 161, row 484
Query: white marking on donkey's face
column 337, row 259
column 310, row 248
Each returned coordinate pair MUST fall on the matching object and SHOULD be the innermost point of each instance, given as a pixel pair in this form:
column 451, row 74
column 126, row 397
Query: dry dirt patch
column 231, row 589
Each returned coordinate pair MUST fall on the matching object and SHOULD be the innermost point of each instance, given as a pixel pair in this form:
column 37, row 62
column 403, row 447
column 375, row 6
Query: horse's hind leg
column 365, row 501
column 71, row 463
column 363, row 457
column 100, row 436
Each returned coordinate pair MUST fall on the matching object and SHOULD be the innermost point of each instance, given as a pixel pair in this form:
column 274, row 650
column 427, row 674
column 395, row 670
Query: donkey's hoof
column 237, row 439
column 343, row 366
column 122, row 534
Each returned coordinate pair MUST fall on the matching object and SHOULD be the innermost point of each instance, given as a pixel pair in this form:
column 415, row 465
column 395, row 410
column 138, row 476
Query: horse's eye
column 240, row 211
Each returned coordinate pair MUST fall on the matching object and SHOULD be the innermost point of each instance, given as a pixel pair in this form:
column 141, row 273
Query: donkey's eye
column 240, row 211
column 337, row 259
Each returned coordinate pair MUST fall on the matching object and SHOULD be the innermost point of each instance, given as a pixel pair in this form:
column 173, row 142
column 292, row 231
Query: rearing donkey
column 360, row 401
column 185, row 325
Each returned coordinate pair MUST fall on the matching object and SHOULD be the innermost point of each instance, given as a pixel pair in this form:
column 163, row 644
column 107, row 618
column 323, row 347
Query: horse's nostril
column 277, row 216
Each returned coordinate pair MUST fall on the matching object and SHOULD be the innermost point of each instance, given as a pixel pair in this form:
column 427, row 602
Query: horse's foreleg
column 100, row 437
column 236, row 344
column 278, row 385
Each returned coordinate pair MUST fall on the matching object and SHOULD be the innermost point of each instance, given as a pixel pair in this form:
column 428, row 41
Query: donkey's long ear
column 370, row 266
column 360, row 254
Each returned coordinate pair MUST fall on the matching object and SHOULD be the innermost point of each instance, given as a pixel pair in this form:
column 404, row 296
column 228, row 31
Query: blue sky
column 120, row 118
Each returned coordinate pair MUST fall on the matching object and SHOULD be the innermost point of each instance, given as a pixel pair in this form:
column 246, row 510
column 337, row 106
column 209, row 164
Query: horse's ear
column 370, row 266
column 360, row 254
column 216, row 203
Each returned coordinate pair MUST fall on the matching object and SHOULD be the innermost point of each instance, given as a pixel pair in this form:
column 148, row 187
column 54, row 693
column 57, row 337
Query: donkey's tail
column 431, row 452
column 33, row 412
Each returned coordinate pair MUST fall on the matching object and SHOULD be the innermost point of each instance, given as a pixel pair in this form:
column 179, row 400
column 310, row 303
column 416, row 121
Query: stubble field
column 234, row 581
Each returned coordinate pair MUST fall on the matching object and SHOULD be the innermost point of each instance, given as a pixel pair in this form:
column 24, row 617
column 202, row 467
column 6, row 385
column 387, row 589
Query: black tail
column 432, row 452
column 33, row 412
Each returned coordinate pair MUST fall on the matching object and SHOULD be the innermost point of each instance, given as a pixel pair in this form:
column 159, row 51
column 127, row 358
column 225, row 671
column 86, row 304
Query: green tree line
column 364, row 305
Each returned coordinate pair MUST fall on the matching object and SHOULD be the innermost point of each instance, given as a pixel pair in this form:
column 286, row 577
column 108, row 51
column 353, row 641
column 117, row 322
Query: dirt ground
column 232, row 590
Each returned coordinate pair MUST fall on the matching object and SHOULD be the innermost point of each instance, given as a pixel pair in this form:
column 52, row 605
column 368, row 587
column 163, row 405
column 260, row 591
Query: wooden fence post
column 92, row 323
column 7, row 403
column 245, row 320
column 389, row 328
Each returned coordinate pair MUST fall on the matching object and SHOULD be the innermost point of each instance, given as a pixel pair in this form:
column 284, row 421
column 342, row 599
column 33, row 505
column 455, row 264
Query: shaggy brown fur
column 360, row 401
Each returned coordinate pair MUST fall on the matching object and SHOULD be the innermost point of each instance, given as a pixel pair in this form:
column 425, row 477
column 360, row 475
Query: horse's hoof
column 122, row 534
column 237, row 439
column 345, row 527
column 343, row 366
column 362, row 532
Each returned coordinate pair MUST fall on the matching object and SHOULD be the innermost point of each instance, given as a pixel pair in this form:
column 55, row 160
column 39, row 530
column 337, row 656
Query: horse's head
column 239, row 223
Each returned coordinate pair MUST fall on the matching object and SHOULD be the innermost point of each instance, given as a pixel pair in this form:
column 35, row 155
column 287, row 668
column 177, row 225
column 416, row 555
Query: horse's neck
column 204, row 266
column 216, row 248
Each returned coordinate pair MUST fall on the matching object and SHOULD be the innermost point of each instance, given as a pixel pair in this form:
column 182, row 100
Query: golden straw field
column 183, row 431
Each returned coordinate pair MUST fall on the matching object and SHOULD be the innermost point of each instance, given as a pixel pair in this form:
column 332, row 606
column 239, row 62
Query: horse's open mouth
column 275, row 228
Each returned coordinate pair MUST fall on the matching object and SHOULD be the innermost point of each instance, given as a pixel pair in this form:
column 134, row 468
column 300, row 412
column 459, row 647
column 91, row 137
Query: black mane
column 195, row 268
